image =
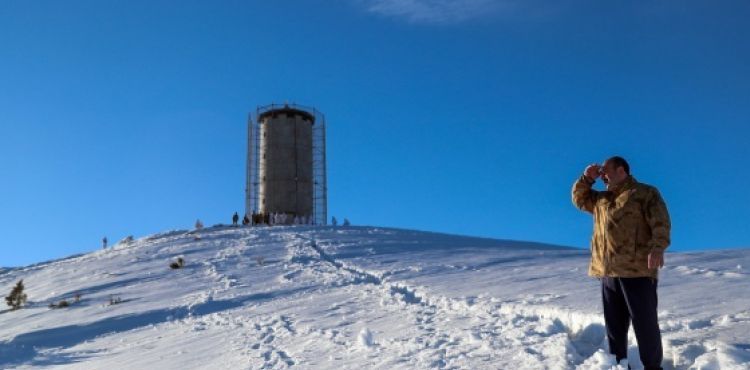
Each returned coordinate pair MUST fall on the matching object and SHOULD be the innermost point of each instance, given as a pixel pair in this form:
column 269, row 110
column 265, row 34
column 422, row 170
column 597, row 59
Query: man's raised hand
column 592, row 171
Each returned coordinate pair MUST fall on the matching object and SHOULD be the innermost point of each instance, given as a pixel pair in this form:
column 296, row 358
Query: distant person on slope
column 235, row 218
column 631, row 232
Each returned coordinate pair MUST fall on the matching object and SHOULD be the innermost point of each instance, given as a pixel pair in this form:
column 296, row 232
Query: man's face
column 612, row 176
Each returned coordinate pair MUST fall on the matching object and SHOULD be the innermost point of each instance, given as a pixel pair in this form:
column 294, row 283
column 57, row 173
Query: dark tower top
column 289, row 112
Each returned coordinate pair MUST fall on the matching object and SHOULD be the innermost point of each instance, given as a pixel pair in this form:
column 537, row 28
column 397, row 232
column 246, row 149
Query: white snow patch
column 321, row 293
column 365, row 337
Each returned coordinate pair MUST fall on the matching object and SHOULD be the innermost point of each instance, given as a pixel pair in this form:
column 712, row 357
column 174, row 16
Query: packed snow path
column 357, row 298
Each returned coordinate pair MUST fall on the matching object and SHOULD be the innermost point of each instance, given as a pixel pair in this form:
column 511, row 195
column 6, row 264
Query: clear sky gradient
column 470, row 116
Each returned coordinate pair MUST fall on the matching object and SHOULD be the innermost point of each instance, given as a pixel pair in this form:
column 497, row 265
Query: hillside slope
column 356, row 298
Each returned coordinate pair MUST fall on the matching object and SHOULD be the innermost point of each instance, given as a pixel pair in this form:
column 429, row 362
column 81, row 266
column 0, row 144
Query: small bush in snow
column 17, row 297
column 113, row 300
column 61, row 304
column 261, row 260
column 177, row 265
column 346, row 222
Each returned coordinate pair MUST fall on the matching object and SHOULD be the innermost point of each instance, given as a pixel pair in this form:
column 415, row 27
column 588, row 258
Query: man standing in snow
column 235, row 218
column 631, row 232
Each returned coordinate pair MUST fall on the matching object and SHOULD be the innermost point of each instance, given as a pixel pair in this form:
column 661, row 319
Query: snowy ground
column 357, row 298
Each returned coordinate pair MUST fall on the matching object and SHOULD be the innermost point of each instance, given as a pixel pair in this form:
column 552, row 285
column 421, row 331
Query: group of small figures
column 273, row 219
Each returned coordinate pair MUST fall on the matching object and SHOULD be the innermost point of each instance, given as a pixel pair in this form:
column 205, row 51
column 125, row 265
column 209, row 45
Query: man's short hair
column 618, row 161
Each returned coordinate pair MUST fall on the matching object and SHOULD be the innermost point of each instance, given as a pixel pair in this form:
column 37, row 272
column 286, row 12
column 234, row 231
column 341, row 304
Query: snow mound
column 313, row 297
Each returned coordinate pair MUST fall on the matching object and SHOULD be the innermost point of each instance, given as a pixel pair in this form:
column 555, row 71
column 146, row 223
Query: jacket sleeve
column 584, row 197
column 658, row 220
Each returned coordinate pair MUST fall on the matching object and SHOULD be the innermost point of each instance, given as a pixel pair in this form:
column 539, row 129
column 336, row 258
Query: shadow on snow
column 25, row 348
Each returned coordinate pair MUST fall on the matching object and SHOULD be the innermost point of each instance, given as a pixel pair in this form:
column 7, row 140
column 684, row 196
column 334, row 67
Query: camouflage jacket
column 630, row 221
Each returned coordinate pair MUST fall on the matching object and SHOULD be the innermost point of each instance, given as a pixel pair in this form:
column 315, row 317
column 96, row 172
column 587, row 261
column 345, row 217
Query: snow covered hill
column 356, row 298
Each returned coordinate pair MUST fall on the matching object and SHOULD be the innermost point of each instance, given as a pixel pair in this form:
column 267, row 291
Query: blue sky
column 470, row 116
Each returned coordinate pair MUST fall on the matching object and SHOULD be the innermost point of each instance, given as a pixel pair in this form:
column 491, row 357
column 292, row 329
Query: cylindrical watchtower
column 286, row 165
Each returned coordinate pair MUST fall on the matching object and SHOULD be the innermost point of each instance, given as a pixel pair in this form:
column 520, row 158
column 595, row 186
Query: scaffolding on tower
column 254, row 142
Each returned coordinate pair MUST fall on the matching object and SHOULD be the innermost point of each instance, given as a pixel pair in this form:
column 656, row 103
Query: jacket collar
column 626, row 184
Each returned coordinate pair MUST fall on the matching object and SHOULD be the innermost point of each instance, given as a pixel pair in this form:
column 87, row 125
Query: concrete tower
column 286, row 164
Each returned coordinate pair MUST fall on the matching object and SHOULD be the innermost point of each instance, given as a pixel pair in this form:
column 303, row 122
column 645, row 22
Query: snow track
column 488, row 332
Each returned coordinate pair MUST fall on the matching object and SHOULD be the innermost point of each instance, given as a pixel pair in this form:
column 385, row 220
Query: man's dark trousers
column 632, row 299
